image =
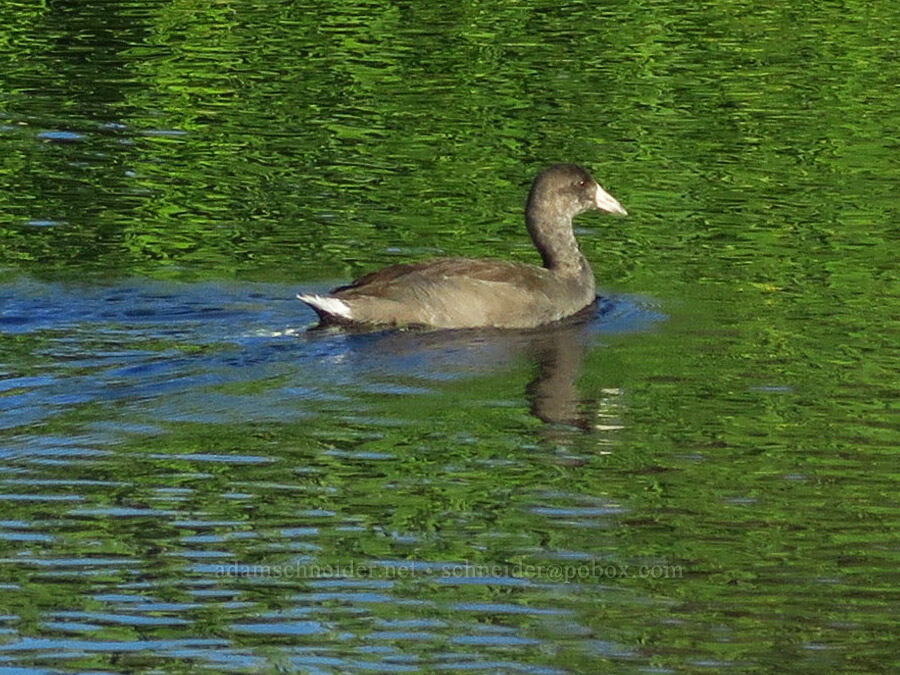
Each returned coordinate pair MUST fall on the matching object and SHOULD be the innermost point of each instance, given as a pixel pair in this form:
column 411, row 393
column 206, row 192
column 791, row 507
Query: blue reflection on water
column 182, row 352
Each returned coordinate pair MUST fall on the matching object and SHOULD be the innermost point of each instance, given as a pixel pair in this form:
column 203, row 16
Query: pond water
column 698, row 474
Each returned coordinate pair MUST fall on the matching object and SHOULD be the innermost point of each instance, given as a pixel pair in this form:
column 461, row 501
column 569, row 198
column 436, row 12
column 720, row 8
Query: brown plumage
column 469, row 293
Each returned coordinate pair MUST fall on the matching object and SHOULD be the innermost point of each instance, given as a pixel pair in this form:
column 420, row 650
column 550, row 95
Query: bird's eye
column 581, row 183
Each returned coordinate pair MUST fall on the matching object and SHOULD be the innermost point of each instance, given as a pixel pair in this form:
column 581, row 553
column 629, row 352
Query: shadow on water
column 187, row 351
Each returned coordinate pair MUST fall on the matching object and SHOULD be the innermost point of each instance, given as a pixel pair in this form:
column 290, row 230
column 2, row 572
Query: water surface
column 698, row 475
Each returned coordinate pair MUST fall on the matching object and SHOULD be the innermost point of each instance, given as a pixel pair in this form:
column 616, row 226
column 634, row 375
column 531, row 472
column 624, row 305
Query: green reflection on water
column 747, row 440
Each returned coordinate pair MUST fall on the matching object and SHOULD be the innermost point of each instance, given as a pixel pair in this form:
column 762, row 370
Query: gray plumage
column 470, row 293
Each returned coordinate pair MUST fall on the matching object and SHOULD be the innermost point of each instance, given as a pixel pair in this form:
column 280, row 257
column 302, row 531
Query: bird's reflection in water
column 558, row 352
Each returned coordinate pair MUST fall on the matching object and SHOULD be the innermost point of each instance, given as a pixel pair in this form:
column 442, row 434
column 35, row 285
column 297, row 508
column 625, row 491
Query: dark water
column 697, row 475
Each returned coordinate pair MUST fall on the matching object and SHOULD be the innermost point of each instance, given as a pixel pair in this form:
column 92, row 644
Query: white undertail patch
column 327, row 305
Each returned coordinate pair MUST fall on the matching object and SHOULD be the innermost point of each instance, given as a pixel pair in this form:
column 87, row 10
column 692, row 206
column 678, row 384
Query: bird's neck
column 555, row 241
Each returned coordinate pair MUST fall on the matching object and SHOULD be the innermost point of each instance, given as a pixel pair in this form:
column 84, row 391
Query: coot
column 472, row 293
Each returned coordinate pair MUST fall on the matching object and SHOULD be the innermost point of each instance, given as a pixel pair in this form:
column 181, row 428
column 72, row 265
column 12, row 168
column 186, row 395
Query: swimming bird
column 477, row 292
